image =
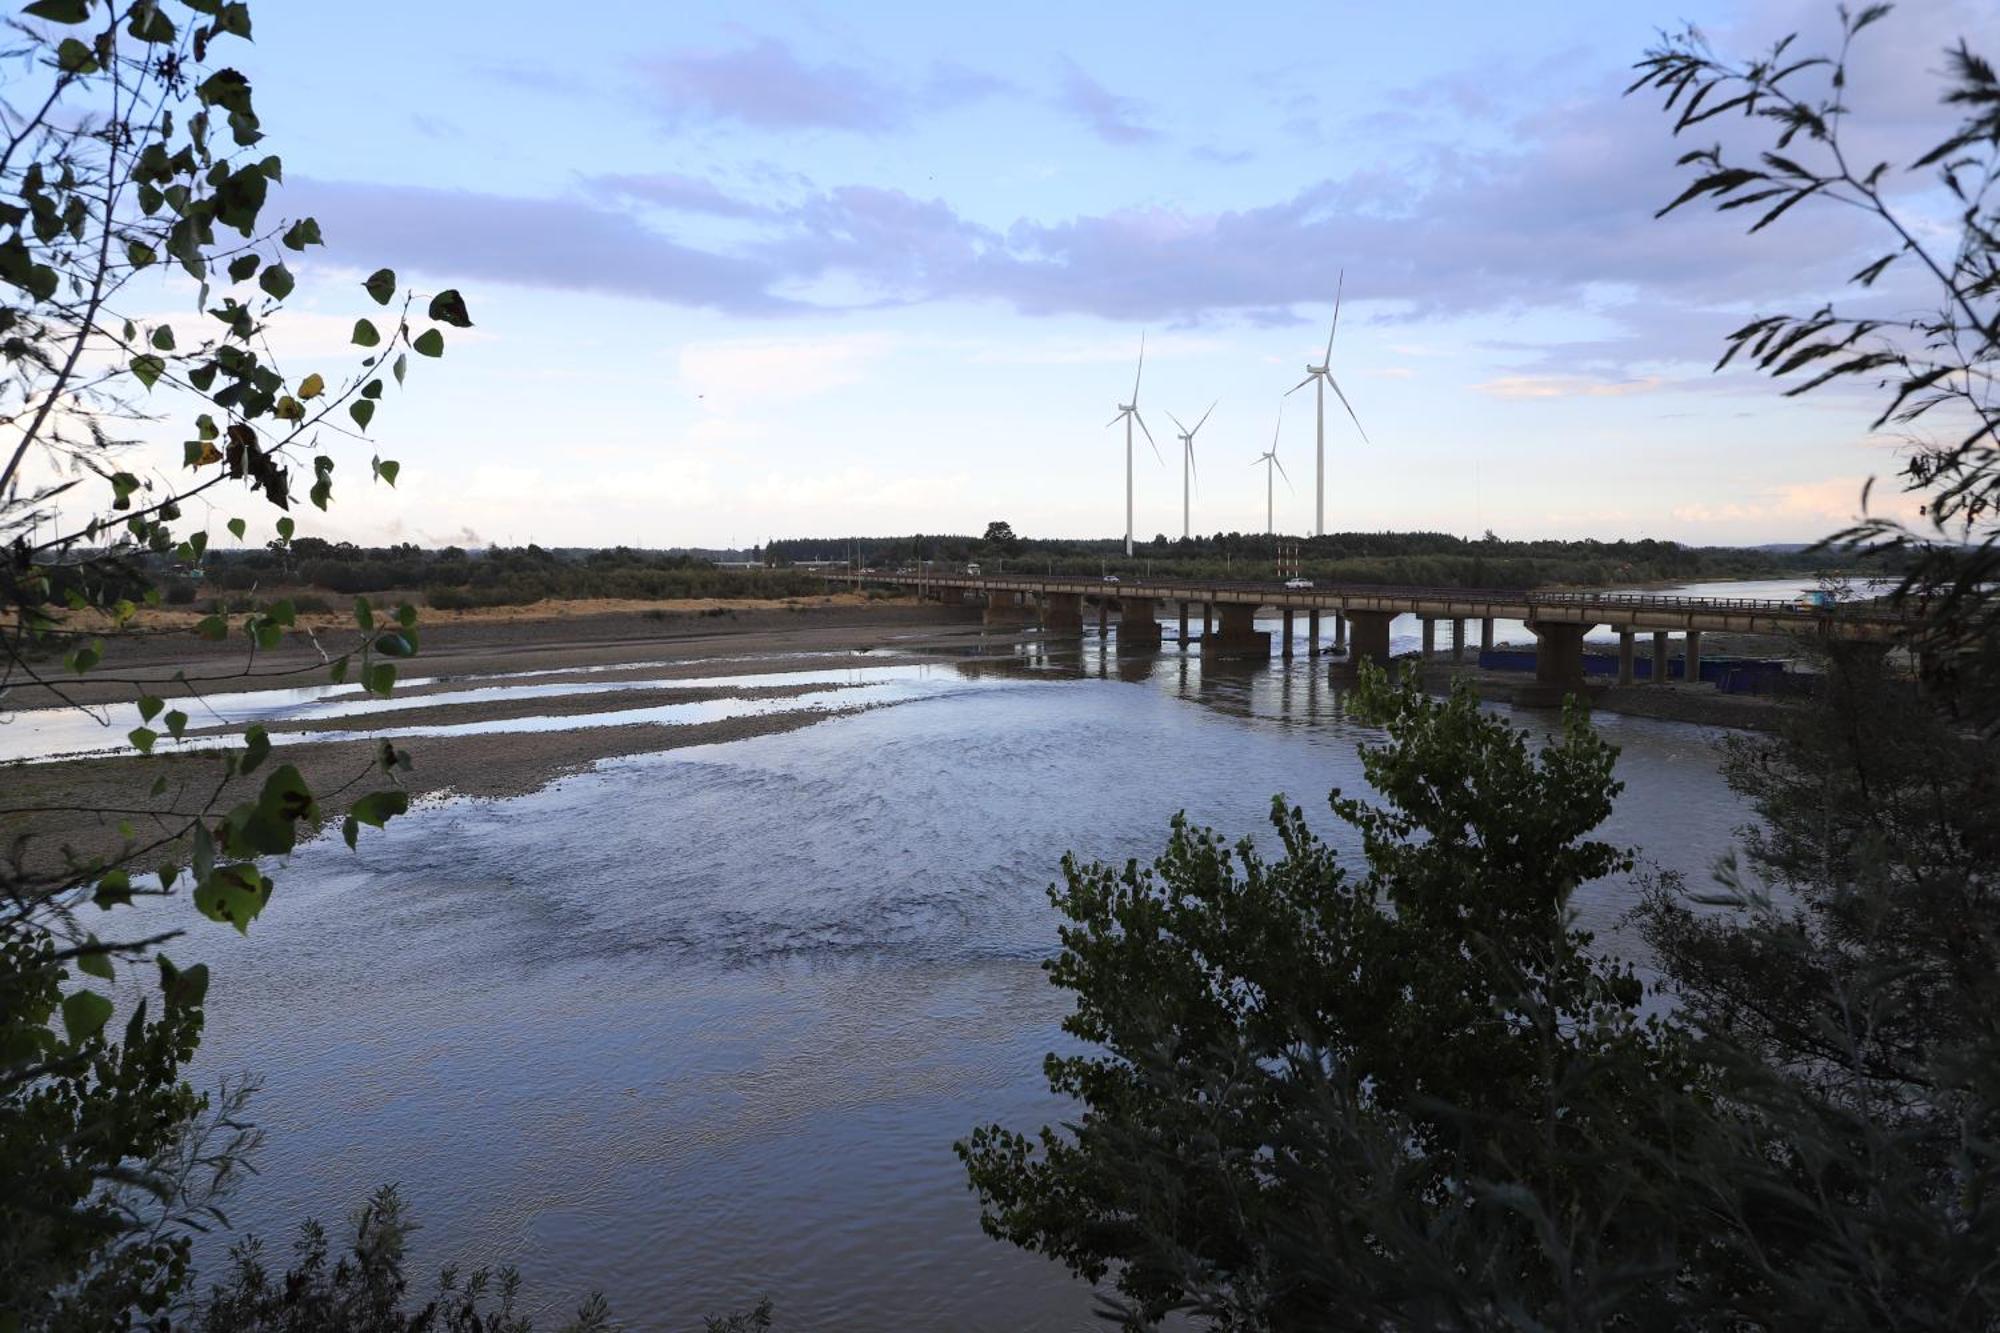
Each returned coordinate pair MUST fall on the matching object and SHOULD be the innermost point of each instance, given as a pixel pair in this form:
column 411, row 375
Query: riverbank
column 502, row 704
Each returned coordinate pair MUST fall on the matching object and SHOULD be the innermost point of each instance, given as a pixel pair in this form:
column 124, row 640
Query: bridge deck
column 1620, row 610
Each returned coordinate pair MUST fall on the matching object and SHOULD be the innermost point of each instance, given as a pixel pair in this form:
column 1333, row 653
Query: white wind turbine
column 1321, row 376
column 1187, row 466
column 1269, row 458
column 1129, row 413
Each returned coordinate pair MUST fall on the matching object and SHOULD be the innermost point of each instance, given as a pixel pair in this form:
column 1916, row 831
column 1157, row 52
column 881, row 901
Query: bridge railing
column 1862, row 610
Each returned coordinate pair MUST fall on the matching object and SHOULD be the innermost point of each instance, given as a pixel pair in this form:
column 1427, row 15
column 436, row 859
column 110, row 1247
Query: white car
column 1298, row 583
column 1111, row 578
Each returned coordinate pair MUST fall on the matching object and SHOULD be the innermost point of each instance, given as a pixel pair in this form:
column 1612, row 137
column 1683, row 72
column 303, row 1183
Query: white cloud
column 1565, row 386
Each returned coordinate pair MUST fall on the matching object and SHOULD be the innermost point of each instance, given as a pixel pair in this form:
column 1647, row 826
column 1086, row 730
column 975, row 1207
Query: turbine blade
column 1149, row 437
column 1277, row 426
column 1142, row 366
column 1116, row 419
column 1350, row 411
column 1327, row 360
column 1300, row 385
column 1194, row 468
column 1204, row 417
column 1281, row 472
column 1177, row 422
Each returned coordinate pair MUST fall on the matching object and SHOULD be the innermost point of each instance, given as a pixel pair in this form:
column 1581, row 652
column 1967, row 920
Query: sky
column 750, row 270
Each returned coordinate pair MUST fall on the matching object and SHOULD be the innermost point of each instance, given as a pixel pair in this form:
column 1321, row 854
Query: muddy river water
column 701, row 1026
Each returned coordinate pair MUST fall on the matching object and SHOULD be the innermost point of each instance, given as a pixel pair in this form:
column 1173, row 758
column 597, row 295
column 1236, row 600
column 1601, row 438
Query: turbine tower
column 1320, row 376
column 1129, row 413
column 1187, row 466
column 1269, row 458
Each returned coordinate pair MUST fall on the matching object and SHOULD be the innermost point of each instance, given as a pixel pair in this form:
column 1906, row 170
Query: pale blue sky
column 785, row 269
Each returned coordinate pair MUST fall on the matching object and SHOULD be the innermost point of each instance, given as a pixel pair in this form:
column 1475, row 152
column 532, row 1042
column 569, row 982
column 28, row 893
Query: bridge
column 1362, row 614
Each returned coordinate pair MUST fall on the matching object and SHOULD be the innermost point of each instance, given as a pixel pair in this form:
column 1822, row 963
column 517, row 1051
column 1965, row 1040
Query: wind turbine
column 1321, row 376
column 1129, row 413
column 1269, row 458
column 1187, row 466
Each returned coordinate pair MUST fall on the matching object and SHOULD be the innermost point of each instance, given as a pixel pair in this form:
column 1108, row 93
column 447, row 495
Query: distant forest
column 453, row 578
column 1429, row 559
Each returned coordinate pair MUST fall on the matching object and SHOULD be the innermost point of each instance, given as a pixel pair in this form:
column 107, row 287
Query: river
column 701, row 1026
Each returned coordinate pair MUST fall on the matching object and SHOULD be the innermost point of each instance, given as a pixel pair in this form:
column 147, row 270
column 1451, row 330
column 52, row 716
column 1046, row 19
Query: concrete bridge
column 1362, row 614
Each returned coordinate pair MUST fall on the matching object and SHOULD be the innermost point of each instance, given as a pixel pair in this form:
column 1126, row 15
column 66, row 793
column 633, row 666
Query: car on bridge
column 1110, row 578
column 1298, row 583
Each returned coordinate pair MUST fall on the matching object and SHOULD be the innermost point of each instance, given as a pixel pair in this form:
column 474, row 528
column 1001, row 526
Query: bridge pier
column 1138, row 625
column 1486, row 634
column 1237, row 634
column 1288, row 631
column 1430, row 637
column 1183, row 637
column 1340, row 631
column 1006, row 608
column 1626, row 646
column 1458, row 640
column 951, row 595
column 1659, row 657
column 1691, row 658
column 1558, row 664
column 1312, row 631
column 1207, row 620
column 1062, row 614
column 1103, row 618
column 1371, row 637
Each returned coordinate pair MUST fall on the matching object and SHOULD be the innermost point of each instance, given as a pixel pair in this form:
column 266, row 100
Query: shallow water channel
column 701, row 1026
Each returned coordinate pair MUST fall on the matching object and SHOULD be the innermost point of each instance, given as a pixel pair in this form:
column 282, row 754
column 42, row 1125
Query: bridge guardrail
column 1873, row 609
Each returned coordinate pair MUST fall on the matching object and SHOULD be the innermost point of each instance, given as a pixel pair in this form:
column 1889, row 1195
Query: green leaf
column 84, row 1014
column 448, row 307
column 387, row 468
column 365, row 334
column 114, row 890
column 233, row 893
column 73, row 57
column 183, row 986
column 429, row 343
column 302, row 233
column 176, row 722
column 379, row 807
column 96, row 963
column 163, row 338
column 276, row 280
column 395, row 645
column 364, row 613
column 60, row 11
column 149, row 707
column 285, row 529
column 380, row 678
column 237, row 527
column 150, row 24
column 142, row 739
column 212, row 628
column 139, row 254
column 406, row 616
column 363, row 411
column 242, row 267
column 401, row 364
column 256, row 747
column 381, row 285
column 148, row 368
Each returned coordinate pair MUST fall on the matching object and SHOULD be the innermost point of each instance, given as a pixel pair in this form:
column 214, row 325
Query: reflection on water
column 699, row 1026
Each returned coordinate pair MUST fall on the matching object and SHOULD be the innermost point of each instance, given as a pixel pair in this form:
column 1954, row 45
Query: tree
column 134, row 172
column 1000, row 535
column 1403, row 1098
column 1937, row 365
